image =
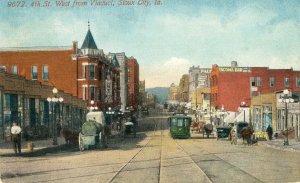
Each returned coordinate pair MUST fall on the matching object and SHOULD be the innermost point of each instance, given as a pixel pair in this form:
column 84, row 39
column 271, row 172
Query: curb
column 289, row 149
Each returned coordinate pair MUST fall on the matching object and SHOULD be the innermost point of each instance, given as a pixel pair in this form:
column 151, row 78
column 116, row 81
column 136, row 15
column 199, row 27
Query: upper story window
column 14, row 69
column 258, row 80
column 45, row 72
column 252, row 81
column 272, row 81
column 83, row 71
column 286, row 82
column 91, row 71
column 298, row 81
column 34, row 74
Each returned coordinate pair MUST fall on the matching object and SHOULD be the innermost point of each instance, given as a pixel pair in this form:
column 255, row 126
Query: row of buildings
column 85, row 74
column 232, row 93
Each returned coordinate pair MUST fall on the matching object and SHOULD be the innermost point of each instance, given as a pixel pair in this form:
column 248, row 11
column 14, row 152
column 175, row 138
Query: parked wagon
column 92, row 131
column 129, row 128
column 223, row 132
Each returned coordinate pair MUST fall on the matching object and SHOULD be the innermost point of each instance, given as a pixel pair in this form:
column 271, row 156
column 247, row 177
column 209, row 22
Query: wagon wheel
column 80, row 141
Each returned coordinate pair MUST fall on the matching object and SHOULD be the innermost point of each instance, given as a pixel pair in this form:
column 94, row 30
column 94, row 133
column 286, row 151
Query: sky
column 169, row 38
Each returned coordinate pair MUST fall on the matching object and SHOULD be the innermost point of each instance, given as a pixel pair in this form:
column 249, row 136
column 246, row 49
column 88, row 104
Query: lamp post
column 286, row 98
column 92, row 107
column 110, row 113
column 222, row 113
column 54, row 100
column 243, row 104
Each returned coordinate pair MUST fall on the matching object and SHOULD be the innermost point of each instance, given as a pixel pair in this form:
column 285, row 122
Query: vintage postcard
column 140, row 91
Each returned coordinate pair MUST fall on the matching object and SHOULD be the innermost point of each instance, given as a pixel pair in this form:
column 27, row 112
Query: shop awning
column 240, row 117
column 230, row 117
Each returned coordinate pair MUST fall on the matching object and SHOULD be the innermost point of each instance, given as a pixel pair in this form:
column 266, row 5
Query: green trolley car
column 180, row 126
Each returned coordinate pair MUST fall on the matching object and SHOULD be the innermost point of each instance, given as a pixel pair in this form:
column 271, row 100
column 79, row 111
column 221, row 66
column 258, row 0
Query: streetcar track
column 151, row 137
column 219, row 159
column 193, row 160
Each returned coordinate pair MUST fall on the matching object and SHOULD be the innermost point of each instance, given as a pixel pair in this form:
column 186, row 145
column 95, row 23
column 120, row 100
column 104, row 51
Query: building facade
column 123, row 62
column 184, row 89
column 85, row 72
column 232, row 85
column 198, row 78
column 25, row 102
column 133, row 82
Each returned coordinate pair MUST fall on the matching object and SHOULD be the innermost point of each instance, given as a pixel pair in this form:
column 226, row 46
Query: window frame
column 33, row 77
column 14, row 69
column 272, row 81
column 286, row 81
column 43, row 72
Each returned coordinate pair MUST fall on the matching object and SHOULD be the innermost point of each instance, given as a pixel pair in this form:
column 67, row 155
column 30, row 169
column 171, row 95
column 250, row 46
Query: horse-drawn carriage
column 93, row 131
column 202, row 127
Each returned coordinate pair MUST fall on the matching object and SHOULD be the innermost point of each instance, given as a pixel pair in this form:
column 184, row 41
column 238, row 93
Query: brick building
column 25, row 102
column 86, row 73
column 232, row 85
column 133, row 82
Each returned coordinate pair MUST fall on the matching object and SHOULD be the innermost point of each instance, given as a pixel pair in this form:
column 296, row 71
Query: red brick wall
column 133, row 82
column 234, row 87
column 279, row 75
column 61, row 68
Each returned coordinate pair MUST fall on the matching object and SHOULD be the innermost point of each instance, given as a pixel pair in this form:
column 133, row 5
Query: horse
column 70, row 136
column 205, row 128
column 246, row 134
column 194, row 126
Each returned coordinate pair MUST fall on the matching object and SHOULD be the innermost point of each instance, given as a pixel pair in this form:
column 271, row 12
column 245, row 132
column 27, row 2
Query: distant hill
column 161, row 93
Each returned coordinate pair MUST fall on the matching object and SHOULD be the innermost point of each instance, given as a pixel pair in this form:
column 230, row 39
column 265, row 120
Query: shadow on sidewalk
column 44, row 151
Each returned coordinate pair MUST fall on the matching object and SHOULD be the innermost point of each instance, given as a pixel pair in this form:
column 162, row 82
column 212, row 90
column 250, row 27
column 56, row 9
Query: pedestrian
column 16, row 137
column 232, row 135
column 270, row 132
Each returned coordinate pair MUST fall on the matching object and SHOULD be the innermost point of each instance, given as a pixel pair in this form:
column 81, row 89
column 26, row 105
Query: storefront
column 25, row 102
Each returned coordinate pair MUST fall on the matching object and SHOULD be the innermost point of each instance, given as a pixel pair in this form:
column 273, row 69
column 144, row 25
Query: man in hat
column 16, row 137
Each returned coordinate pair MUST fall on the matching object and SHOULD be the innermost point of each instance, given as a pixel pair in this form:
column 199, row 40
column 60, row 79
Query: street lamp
column 243, row 104
column 286, row 98
column 92, row 107
column 54, row 100
column 222, row 114
column 110, row 113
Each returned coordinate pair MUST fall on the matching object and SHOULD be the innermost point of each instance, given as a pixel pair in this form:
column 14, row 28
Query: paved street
column 155, row 157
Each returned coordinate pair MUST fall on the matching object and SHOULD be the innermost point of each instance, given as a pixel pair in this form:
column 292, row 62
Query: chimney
column 234, row 64
column 75, row 47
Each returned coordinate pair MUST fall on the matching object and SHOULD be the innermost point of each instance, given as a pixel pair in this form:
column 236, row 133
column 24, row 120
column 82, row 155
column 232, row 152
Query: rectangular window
column 83, row 72
column 258, row 80
column 252, row 81
column 286, row 82
column 14, row 69
column 45, row 72
column 272, row 81
column 34, row 74
column 298, row 81
column 91, row 71
column 83, row 93
column 92, row 93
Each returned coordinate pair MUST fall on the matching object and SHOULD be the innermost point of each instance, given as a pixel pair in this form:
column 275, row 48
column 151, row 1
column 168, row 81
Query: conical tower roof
column 89, row 42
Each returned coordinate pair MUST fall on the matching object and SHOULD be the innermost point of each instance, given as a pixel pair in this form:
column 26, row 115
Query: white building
column 123, row 61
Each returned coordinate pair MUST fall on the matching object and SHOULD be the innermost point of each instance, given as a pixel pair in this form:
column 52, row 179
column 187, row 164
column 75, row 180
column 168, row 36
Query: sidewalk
column 7, row 147
column 293, row 146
